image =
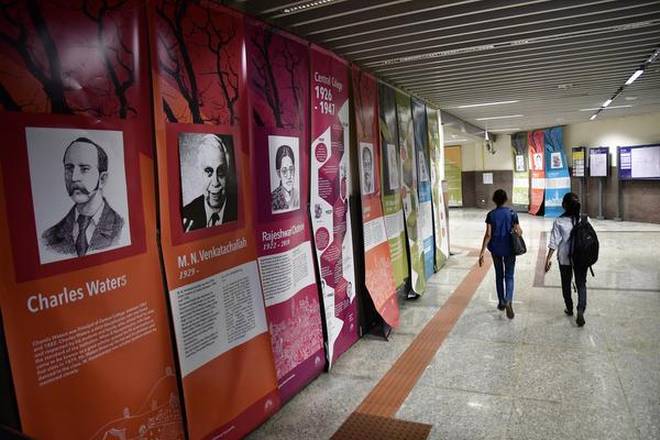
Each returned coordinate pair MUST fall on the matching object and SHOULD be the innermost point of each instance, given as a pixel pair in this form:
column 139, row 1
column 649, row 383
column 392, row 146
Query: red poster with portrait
column 536, row 166
column 329, row 194
column 81, row 291
column 377, row 260
column 278, row 90
column 207, row 218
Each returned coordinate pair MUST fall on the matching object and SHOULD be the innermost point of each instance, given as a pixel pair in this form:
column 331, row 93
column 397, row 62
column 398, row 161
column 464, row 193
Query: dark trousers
column 504, row 270
column 580, row 283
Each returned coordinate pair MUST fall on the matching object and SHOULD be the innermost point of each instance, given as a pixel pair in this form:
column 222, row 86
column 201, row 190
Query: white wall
column 476, row 158
column 632, row 130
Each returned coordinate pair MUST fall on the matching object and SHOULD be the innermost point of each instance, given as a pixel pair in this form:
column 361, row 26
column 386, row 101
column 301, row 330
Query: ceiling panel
column 554, row 57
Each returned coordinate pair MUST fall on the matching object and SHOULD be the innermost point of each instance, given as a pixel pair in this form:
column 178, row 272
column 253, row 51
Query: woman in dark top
column 500, row 223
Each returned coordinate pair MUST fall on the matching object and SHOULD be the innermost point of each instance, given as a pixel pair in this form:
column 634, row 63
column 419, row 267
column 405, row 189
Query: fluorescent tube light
column 606, row 103
column 593, row 117
column 500, row 117
column 634, row 76
column 608, row 108
column 485, row 104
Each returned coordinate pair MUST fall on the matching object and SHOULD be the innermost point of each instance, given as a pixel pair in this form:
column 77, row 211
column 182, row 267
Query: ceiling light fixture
column 608, row 108
column 593, row 116
column 304, row 6
column 499, row 117
column 486, row 104
column 634, row 76
column 606, row 103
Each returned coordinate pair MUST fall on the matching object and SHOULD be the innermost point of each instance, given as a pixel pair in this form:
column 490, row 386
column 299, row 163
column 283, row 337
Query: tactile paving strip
column 389, row 394
column 368, row 427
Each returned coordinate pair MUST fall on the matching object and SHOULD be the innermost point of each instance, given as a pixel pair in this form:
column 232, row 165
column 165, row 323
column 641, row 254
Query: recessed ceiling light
column 630, row 98
column 500, row 117
column 606, row 103
column 565, row 86
column 634, row 76
column 304, row 6
column 593, row 117
column 608, row 108
column 485, row 104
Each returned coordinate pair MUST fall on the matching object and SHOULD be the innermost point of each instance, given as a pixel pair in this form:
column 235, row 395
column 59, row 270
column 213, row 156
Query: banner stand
column 600, row 199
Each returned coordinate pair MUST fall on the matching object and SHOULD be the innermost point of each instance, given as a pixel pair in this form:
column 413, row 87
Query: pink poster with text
column 278, row 89
column 329, row 198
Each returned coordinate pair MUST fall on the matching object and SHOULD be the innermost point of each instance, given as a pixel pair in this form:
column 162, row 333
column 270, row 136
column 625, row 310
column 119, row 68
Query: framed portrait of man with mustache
column 79, row 191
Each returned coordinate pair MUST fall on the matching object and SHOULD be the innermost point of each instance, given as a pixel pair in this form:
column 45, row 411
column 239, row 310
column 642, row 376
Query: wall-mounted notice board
column 639, row 162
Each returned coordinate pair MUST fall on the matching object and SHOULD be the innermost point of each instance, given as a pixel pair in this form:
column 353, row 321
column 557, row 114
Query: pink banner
column 536, row 160
column 278, row 90
column 377, row 260
column 329, row 204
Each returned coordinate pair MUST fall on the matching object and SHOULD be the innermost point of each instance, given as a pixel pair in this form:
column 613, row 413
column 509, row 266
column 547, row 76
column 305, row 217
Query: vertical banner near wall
column 81, row 291
column 558, row 181
column 453, row 170
column 435, row 156
column 378, row 264
column 520, row 197
column 207, row 219
column 391, row 184
column 278, row 89
column 409, row 194
column 329, row 204
column 425, row 214
column 535, row 143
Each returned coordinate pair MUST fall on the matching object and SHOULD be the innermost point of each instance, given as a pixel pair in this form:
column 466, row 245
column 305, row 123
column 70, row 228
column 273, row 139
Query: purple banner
column 278, row 89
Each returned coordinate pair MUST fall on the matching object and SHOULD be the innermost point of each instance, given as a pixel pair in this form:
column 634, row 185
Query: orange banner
column 207, row 218
column 536, row 153
column 82, row 291
column 379, row 279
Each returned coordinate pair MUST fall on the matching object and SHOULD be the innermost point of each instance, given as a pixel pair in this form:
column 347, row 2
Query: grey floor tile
column 458, row 414
column 372, row 356
column 557, row 329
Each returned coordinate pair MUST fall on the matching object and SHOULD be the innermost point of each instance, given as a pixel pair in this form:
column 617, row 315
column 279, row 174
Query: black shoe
column 501, row 307
column 580, row 319
column 569, row 312
column 509, row 310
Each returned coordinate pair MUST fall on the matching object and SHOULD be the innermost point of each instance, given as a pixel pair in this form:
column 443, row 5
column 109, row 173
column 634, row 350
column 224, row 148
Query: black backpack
column 584, row 244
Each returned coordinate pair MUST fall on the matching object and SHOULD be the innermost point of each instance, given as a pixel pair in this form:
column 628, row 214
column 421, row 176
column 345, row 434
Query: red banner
column 82, row 292
column 329, row 207
column 278, row 68
column 377, row 260
column 207, row 218
column 536, row 161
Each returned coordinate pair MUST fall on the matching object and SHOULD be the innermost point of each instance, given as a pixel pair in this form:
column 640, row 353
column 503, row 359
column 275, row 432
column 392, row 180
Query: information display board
column 279, row 132
column 599, row 162
column 558, row 181
column 378, row 275
column 409, row 193
column 437, row 168
column 329, row 205
column 207, row 219
column 81, row 288
column 579, row 161
column 453, row 175
column 520, row 197
column 639, row 162
column 391, row 184
column 536, row 149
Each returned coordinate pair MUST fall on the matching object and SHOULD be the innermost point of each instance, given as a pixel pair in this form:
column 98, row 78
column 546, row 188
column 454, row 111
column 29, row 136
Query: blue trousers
column 504, row 270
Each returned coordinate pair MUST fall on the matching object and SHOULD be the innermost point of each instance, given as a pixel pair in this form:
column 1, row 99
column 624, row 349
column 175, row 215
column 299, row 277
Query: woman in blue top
column 500, row 223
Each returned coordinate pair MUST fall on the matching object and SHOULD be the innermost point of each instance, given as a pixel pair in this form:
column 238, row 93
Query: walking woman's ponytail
column 571, row 205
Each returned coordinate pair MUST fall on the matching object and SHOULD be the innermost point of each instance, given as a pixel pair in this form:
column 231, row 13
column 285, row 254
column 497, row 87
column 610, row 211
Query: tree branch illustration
column 264, row 81
column 50, row 75
column 8, row 103
column 183, row 75
column 216, row 42
column 120, row 87
column 291, row 63
column 169, row 113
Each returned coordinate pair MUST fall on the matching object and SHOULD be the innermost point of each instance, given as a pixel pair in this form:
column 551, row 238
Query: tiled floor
column 536, row 377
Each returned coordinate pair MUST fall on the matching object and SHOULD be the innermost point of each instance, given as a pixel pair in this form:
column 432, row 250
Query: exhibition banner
column 82, row 293
column 329, row 204
column 409, row 194
column 377, row 261
column 278, row 90
column 425, row 212
column 558, row 180
column 453, row 170
column 520, row 196
column 535, row 141
column 391, row 184
column 207, row 218
column 439, row 218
